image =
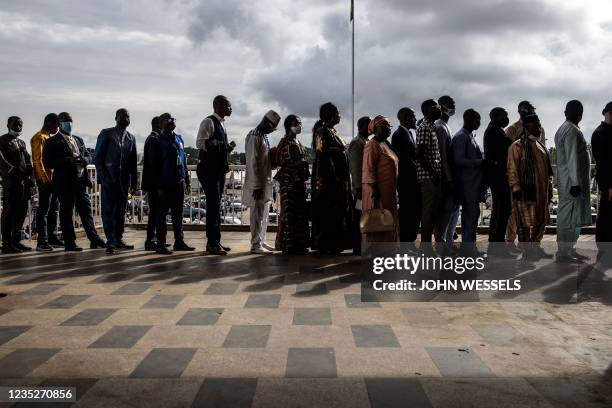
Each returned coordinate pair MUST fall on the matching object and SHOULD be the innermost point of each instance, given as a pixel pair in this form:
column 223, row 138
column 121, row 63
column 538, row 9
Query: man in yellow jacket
column 48, row 203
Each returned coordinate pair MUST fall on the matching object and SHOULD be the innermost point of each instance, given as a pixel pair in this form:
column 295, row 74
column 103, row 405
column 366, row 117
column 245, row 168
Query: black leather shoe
column 215, row 251
column 182, row 246
column 11, row 250
column 73, row 248
column 44, row 247
column 56, row 243
column 123, row 245
column 150, row 246
column 226, row 249
column 97, row 243
column 22, row 247
column 162, row 250
column 111, row 250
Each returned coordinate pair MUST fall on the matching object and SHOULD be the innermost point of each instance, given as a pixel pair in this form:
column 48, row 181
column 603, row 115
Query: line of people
column 425, row 176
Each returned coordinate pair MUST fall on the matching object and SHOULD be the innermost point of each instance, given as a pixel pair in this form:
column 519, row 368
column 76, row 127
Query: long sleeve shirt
column 41, row 173
column 429, row 162
column 496, row 146
column 355, row 159
column 258, row 173
column 601, row 143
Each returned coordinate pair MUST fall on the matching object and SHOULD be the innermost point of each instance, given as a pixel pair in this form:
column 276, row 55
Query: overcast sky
column 152, row 56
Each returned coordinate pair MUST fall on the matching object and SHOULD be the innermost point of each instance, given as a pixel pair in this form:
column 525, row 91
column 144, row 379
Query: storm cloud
column 92, row 57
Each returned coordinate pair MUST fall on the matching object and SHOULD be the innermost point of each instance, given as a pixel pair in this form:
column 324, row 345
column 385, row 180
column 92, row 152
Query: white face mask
column 532, row 137
column 296, row 129
column 14, row 133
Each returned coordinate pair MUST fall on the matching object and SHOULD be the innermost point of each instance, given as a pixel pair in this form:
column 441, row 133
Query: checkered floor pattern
column 246, row 330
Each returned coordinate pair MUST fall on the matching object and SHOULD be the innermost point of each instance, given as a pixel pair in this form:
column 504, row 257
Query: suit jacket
column 116, row 159
column 57, row 155
column 15, row 162
column 151, row 148
column 468, row 171
column 405, row 149
column 496, row 145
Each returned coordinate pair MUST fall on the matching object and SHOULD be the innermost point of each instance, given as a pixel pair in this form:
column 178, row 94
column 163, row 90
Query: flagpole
column 353, row 67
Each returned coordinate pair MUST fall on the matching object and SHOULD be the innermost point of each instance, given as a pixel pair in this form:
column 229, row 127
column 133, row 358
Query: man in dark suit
column 212, row 167
column 496, row 145
column 403, row 142
column 117, row 168
column 148, row 183
column 66, row 155
column 468, row 165
column 17, row 180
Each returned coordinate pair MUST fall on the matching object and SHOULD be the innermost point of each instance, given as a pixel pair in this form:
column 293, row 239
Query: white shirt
column 207, row 129
column 412, row 134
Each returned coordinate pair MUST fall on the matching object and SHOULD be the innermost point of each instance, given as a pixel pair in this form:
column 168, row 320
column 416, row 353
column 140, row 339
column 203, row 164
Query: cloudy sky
column 152, row 56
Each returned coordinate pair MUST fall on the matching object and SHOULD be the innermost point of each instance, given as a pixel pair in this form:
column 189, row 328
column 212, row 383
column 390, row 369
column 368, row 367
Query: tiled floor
column 138, row 329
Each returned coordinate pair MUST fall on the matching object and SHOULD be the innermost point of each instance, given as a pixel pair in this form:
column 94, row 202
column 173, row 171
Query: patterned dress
column 293, row 233
column 331, row 193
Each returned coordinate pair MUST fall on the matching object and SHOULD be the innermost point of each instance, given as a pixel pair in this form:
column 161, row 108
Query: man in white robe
column 573, row 184
column 257, row 189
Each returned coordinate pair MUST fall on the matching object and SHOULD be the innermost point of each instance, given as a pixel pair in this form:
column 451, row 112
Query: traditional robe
column 293, row 231
column 573, row 169
column 380, row 166
column 530, row 216
column 331, row 193
column 258, row 174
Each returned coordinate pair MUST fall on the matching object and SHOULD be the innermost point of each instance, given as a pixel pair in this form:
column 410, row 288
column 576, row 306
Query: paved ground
column 269, row 331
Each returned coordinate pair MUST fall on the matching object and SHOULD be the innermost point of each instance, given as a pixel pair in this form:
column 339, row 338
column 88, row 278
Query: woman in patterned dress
column 293, row 236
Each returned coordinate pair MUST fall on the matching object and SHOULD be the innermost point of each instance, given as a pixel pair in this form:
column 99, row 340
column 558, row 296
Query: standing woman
column 293, row 233
column 331, row 190
column 379, row 177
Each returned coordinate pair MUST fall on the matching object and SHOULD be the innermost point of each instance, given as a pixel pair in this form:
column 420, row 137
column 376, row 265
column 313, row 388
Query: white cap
column 273, row 117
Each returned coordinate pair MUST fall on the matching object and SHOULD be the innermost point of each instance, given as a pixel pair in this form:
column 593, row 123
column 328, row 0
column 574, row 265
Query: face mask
column 66, row 127
column 296, row 129
column 450, row 112
column 532, row 138
column 14, row 133
column 53, row 131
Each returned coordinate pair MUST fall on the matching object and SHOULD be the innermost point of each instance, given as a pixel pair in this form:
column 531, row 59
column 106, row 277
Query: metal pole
column 353, row 68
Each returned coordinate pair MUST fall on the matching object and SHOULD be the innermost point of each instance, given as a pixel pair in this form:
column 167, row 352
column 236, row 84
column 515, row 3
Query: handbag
column 376, row 220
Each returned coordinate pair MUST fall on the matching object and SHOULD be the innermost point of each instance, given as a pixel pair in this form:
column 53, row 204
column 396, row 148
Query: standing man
column 573, row 183
column 429, row 168
column 514, row 132
column 117, row 167
column 446, row 222
column 212, row 167
column 355, row 159
column 48, row 203
column 403, row 142
column 496, row 146
column 171, row 181
column 468, row 163
column 601, row 143
column 257, row 190
column 530, row 175
column 66, row 156
column 17, row 184
column 148, row 182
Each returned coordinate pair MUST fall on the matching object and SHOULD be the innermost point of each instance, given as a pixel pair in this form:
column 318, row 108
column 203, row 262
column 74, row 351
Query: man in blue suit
column 468, row 170
column 67, row 156
column 116, row 164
